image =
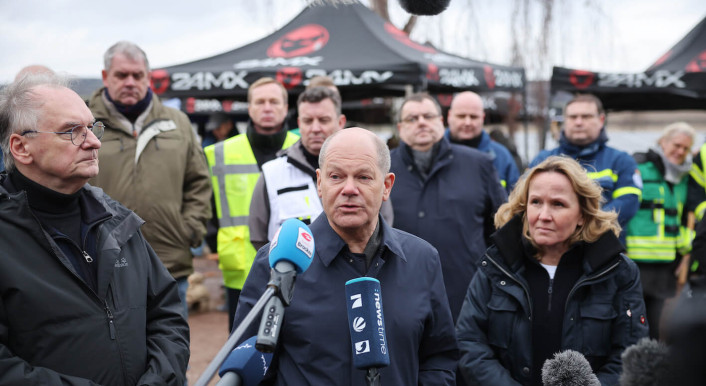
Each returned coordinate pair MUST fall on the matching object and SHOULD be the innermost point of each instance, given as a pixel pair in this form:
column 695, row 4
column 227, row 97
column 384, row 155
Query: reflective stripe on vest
column 220, row 170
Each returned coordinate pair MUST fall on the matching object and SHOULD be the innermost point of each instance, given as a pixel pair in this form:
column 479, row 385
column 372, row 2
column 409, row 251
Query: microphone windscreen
column 366, row 323
column 424, row 7
column 645, row 363
column 568, row 368
column 250, row 364
column 294, row 243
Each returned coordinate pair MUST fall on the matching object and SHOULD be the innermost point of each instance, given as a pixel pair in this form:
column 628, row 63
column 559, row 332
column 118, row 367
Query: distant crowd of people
column 487, row 271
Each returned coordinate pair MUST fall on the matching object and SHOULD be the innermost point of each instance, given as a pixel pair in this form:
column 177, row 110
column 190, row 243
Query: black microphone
column 568, row 368
column 367, row 327
column 424, row 7
column 244, row 366
column 645, row 363
column 291, row 251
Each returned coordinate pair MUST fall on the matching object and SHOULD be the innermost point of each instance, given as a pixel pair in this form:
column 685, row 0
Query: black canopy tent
column 676, row 81
column 364, row 55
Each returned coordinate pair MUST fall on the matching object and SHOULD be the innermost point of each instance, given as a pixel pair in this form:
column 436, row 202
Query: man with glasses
column 83, row 298
column 446, row 194
column 584, row 138
column 152, row 161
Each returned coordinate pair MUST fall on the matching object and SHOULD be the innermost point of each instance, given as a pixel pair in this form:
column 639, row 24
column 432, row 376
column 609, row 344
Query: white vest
column 292, row 194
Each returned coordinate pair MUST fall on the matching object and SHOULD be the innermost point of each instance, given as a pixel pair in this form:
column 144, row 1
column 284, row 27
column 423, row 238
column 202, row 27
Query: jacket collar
column 513, row 247
column 295, row 156
column 329, row 244
column 442, row 156
column 576, row 151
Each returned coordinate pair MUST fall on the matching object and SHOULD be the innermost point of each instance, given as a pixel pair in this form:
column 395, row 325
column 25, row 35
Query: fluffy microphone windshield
column 415, row 7
column 568, row 368
column 646, row 363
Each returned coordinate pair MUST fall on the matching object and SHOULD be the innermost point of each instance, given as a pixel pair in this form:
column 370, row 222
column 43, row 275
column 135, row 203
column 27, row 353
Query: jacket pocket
column 596, row 323
column 501, row 320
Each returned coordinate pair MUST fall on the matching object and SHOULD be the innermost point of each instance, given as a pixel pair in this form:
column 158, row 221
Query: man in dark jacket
column 446, row 194
column 352, row 240
column 84, row 299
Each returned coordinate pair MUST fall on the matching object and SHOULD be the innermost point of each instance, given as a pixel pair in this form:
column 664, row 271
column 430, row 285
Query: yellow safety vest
column 700, row 177
column 234, row 173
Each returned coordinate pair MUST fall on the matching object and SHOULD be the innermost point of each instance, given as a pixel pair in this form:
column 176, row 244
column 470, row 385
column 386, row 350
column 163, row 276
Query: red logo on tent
column 159, row 81
column 698, row 64
column 190, row 105
column 290, row 77
column 227, row 105
column 302, row 41
column 445, row 99
column 581, row 79
column 433, row 72
column 401, row 36
column 489, row 76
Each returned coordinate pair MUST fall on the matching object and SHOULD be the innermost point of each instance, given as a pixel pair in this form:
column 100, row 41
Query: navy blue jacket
column 452, row 209
column 502, row 160
column 614, row 170
column 314, row 344
column 603, row 315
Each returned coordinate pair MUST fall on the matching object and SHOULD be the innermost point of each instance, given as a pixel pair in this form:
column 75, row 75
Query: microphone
column 568, row 368
column 244, row 366
column 291, row 252
column 367, row 327
column 424, row 7
column 647, row 362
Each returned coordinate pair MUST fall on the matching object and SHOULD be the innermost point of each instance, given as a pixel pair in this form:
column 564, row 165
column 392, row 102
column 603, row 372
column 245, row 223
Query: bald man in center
column 353, row 240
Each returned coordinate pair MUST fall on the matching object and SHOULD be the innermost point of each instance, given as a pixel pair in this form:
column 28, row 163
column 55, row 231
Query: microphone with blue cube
column 366, row 323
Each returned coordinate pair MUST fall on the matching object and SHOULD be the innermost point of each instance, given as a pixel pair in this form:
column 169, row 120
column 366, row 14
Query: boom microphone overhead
column 424, row 7
column 415, row 7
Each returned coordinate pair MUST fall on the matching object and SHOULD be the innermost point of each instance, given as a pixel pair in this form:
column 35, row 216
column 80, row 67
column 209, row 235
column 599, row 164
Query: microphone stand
column 234, row 338
column 281, row 284
column 372, row 377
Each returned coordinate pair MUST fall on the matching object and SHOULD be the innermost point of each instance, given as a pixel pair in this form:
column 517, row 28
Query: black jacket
column 55, row 329
column 604, row 312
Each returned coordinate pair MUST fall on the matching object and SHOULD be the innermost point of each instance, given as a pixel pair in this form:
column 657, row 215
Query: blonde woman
column 554, row 279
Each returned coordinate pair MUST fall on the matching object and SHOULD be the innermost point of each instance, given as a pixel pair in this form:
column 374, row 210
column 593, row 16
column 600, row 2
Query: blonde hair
column 677, row 128
column 267, row 80
column 595, row 220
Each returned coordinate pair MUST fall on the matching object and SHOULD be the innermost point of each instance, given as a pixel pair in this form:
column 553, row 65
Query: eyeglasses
column 78, row 133
column 584, row 117
column 415, row 118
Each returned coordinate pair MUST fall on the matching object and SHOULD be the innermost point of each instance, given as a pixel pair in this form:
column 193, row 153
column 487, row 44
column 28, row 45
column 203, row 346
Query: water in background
column 626, row 140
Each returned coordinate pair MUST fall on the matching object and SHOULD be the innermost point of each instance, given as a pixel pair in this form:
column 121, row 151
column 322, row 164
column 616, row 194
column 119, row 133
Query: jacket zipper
column 529, row 299
column 550, row 290
column 111, row 324
column 589, row 279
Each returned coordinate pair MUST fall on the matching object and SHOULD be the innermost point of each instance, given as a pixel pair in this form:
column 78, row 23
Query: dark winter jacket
column 452, row 208
column 314, row 344
column 604, row 312
column 56, row 330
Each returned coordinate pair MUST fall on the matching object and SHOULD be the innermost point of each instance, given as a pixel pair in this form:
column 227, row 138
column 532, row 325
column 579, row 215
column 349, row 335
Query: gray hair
column 20, row 109
column 129, row 49
column 318, row 94
column 381, row 149
column 677, row 128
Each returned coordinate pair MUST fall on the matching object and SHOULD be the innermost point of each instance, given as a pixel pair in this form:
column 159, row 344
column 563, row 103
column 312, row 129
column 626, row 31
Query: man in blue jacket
column 84, row 300
column 352, row 240
column 446, row 194
column 466, row 117
column 584, row 139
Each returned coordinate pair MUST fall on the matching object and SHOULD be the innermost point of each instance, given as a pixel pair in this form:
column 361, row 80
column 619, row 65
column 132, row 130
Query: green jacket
column 161, row 175
column 657, row 232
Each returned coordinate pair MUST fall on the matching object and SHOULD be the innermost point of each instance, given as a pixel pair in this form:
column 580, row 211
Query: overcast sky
column 72, row 35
